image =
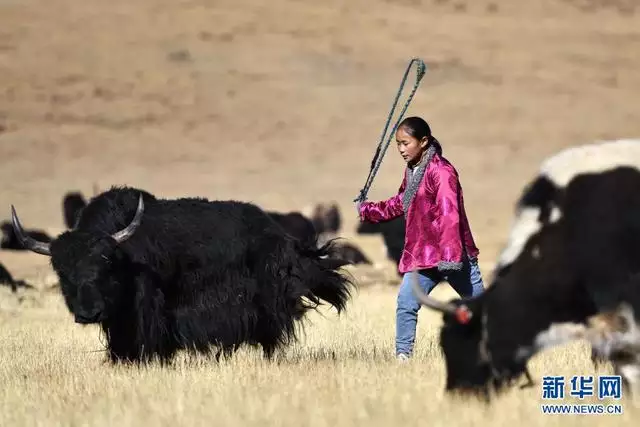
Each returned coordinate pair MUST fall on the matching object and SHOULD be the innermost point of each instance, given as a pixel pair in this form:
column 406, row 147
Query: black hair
column 418, row 128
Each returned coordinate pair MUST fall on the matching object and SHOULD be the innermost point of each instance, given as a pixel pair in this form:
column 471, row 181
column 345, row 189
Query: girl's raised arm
column 384, row 210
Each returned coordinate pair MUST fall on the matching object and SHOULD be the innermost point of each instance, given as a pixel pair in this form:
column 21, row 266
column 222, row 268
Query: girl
column 438, row 241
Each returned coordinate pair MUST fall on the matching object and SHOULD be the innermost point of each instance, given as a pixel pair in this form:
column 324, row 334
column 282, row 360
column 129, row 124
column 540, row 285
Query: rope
column 379, row 155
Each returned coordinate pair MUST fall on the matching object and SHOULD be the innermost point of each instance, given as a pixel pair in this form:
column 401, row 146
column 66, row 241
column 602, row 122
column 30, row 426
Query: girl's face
column 410, row 148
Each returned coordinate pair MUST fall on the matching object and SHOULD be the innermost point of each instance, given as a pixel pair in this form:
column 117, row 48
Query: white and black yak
column 570, row 270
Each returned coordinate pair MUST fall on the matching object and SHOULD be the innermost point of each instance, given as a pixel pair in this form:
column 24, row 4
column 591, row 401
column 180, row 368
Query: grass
column 341, row 373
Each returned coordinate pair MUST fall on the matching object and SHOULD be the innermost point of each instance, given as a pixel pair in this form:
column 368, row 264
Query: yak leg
column 630, row 373
column 615, row 336
column 270, row 341
column 529, row 382
column 143, row 331
column 597, row 358
column 268, row 350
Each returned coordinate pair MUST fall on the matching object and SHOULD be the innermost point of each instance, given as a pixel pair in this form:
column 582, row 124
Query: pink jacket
column 437, row 230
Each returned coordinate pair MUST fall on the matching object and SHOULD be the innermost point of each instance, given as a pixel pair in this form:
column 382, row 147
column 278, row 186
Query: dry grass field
column 342, row 373
column 282, row 103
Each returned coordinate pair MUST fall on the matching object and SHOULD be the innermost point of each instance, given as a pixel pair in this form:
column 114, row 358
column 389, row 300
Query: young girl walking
column 438, row 240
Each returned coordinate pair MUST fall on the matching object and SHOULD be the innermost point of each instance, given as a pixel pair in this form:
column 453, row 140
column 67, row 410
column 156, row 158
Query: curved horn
column 428, row 301
column 127, row 232
column 28, row 242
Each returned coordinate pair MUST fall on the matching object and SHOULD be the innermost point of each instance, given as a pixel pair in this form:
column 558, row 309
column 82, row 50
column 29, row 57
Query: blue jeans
column 466, row 282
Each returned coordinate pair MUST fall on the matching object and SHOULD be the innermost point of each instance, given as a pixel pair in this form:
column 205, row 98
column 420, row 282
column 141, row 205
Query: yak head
column 87, row 264
column 463, row 342
column 482, row 354
column 536, row 304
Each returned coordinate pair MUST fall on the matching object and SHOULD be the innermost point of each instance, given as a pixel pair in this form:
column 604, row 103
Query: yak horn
column 431, row 302
column 27, row 241
column 127, row 232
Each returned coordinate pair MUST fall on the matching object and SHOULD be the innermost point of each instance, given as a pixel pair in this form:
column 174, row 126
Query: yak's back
column 183, row 233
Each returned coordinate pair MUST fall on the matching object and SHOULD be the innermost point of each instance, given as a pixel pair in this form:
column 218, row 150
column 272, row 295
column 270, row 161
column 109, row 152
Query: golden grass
column 341, row 373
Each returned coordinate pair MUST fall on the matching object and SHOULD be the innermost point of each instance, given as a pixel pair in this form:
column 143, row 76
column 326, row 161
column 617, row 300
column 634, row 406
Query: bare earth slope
column 283, row 102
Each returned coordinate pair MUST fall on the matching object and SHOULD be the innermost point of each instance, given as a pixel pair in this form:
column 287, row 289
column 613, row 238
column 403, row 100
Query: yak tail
column 333, row 263
column 324, row 281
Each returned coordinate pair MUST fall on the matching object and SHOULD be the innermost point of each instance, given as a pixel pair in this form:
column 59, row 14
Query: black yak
column 7, row 279
column 392, row 235
column 10, row 241
column 296, row 225
column 72, row 205
column 300, row 227
column 343, row 250
column 162, row 275
column 326, row 218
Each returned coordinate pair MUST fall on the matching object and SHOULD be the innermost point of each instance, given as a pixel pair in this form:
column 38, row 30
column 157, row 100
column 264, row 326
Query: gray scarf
column 414, row 178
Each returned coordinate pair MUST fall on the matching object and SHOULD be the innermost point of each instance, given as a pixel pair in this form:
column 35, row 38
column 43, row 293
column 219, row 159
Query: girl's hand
column 358, row 204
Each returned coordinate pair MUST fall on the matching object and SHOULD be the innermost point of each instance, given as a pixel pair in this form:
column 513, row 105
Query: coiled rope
column 380, row 150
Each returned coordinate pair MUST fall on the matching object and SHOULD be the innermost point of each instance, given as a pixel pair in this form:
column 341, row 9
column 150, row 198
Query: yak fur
column 195, row 275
